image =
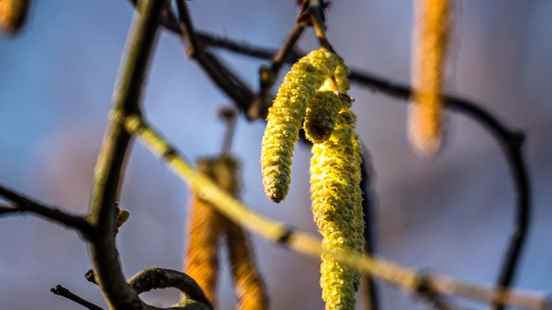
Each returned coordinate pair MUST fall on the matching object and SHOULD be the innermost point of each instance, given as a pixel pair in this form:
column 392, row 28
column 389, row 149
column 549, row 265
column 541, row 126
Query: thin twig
column 219, row 73
column 6, row 210
column 111, row 159
column 392, row 273
column 25, row 204
column 372, row 301
column 63, row 292
column 228, row 116
column 269, row 75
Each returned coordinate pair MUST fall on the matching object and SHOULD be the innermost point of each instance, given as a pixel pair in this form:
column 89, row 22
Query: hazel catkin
column 248, row 284
column 431, row 38
column 337, row 209
column 285, row 118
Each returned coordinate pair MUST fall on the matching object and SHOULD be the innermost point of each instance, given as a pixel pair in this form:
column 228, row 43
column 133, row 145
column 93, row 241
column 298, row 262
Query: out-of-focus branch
column 392, row 273
column 63, row 292
column 371, row 295
column 111, row 160
column 219, row 73
column 6, row 210
column 159, row 278
column 24, row 204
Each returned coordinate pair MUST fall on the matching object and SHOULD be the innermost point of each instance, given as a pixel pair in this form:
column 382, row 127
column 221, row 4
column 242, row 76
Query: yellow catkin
column 321, row 115
column 12, row 14
column 431, row 38
column 204, row 230
column 285, row 118
column 337, row 208
column 207, row 226
column 248, row 284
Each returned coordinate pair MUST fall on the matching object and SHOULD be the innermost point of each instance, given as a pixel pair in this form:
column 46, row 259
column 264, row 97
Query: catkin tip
column 431, row 36
column 13, row 14
column 424, row 131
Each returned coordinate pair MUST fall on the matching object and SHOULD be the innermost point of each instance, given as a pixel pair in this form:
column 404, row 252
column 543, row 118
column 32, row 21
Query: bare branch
column 159, row 278
column 63, row 292
column 6, row 211
column 111, row 160
column 219, row 73
column 25, row 204
column 368, row 201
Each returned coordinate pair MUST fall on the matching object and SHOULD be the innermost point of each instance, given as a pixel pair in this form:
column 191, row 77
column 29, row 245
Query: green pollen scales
column 337, row 208
column 313, row 95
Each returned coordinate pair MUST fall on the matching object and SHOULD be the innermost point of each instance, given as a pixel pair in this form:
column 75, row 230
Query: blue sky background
column 451, row 214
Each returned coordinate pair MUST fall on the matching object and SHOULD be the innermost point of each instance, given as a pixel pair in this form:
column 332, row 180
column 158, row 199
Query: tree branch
column 24, row 204
column 6, row 210
column 159, row 278
column 372, row 301
column 219, row 73
column 111, row 160
column 63, row 292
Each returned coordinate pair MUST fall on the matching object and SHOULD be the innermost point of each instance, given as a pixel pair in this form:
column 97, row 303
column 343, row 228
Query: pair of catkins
column 313, row 97
column 206, row 226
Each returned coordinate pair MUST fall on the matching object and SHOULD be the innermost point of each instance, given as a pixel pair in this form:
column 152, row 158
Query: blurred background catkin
column 452, row 214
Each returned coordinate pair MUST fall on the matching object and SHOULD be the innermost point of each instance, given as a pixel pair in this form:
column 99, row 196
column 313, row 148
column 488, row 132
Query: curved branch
column 159, row 278
column 110, row 165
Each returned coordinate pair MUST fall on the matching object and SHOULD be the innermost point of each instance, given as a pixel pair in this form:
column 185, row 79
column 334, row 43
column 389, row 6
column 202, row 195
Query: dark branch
column 159, row 278
column 6, row 211
column 426, row 291
column 112, row 157
column 63, row 292
column 368, row 203
column 220, row 74
column 25, row 204
column 228, row 116
column 268, row 75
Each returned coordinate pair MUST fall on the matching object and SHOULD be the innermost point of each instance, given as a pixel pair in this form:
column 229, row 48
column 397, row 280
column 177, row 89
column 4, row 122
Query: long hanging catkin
column 285, row 118
column 207, row 226
column 204, row 229
column 430, row 44
column 12, row 14
column 337, row 208
column 248, row 284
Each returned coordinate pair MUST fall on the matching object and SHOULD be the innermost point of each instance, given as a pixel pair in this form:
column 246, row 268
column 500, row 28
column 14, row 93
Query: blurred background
column 451, row 214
